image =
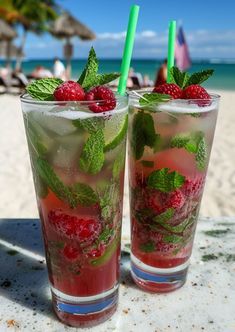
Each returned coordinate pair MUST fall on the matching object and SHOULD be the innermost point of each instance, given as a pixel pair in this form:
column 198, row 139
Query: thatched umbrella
column 66, row 26
column 7, row 33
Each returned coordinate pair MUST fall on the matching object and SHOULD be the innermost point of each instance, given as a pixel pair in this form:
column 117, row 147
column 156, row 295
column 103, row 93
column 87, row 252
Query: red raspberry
column 164, row 247
column 193, row 187
column 104, row 97
column 154, row 201
column 70, row 252
column 83, row 230
column 68, row 91
column 175, row 200
column 97, row 252
column 195, row 91
column 169, row 89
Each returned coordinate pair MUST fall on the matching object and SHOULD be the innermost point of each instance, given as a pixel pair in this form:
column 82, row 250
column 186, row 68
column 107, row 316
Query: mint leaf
column 90, row 125
column 109, row 251
column 92, row 156
column 43, row 89
column 106, row 78
column 172, row 238
column 161, row 220
column 105, row 235
column 143, row 133
column 109, row 201
column 193, row 143
column 84, row 194
column 150, row 99
column 35, row 143
column 165, row 181
column 147, row 163
column 178, row 77
column 88, row 77
column 199, row 77
column 47, row 174
column 164, row 216
column 201, row 154
column 119, row 164
column 41, row 187
column 147, row 247
column 143, row 215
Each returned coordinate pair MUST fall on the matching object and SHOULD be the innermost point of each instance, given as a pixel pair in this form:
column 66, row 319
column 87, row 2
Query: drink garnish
column 171, row 89
column 165, row 181
column 84, row 194
column 49, row 89
column 114, row 138
column 92, row 156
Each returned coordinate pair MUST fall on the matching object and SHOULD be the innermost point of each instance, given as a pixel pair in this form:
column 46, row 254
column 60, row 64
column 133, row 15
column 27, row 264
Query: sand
column 17, row 197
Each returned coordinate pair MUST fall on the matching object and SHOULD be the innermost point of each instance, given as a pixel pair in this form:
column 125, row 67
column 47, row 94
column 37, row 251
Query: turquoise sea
column 223, row 78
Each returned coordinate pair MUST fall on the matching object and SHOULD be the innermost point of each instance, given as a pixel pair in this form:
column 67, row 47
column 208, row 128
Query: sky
column 209, row 28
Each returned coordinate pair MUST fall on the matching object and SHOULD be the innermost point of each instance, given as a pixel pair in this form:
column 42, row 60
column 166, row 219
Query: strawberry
column 68, row 91
column 104, row 99
column 83, row 230
column 193, row 187
column 170, row 89
column 155, row 202
column 195, row 91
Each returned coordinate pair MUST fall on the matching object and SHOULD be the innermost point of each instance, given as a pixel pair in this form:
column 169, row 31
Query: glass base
column 84, row 311
column 158, row 280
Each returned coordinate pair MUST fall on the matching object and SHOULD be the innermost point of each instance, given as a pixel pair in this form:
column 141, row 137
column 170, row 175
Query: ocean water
column 223, row 78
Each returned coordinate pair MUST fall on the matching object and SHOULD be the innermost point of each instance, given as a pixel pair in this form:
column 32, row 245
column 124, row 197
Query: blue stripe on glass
column 85, row 308
column 164, row 278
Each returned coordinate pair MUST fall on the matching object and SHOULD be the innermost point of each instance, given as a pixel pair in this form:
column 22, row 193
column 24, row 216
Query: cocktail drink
column 77, row 152
column 170, row 142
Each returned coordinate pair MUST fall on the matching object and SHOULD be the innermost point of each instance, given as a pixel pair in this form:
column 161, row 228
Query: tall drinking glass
column 78, row 160
column 169, row 150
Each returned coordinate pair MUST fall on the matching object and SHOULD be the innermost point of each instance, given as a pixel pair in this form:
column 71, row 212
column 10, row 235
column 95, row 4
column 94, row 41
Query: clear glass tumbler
column 78, row 160
column 169, row 150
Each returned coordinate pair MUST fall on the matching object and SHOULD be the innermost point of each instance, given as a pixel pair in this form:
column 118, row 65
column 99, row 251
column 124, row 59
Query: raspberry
column 70, row 252
column 195, row 91
column 164, row 247
column 169, row 89
column 68, row 91
column 83, row 230
column 104, row 99
column 155, row 202
column 97, row 252
column 175, row 200
column 193, row 187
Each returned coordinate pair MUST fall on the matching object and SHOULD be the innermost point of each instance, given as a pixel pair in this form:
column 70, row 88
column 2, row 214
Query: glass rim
column 26, row 98
column 136, row 94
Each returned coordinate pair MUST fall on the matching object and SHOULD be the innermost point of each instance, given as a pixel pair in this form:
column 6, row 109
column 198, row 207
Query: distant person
column 59, row 69
column 41, row 72
column 162, row 74
column 136, row 78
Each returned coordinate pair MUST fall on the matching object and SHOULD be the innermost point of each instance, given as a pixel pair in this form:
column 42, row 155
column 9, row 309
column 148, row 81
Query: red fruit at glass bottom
column 170, row 89
column 97, row 252
column 84, row 230
column 70, row 252
column 175, row 200
column 68, row 91
column 195, row 91
column 105, row 99
column 193, row 187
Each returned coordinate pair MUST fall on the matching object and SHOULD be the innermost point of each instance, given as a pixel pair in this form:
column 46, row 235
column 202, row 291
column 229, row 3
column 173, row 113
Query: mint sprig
column 92, row 156
column 165, row 181
column 47, row 174
column 151, row 99
column 194, row 143
column 147, row 247
column 164, row 216
column 84, row 194
column 43, row 89
column 143, row 133
column 91, row 125
column 90, row 77
column 183, row 79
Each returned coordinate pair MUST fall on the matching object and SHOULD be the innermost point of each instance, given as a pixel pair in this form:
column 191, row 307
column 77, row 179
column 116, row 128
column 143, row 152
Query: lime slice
column 115, row 131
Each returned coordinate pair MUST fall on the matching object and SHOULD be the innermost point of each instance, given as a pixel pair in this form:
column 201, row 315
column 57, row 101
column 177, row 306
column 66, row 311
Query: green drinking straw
column 129, row 43
column 171, row 48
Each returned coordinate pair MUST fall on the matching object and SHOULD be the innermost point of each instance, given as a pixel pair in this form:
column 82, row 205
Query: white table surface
column 205, row 303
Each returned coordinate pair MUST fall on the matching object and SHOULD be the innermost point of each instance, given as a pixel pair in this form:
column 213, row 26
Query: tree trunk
column 68, row 53
column 8, row 64
column 21, row 50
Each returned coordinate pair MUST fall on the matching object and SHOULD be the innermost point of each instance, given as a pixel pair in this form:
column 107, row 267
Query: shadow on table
column 23, row 279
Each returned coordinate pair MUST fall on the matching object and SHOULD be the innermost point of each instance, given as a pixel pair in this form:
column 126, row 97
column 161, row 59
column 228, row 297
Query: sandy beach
column 17, row 195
